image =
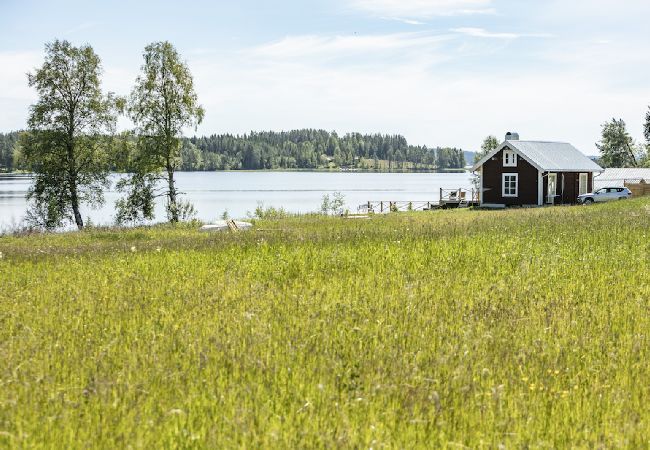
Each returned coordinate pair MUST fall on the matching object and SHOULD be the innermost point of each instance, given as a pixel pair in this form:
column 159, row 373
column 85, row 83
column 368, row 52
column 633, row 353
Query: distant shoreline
column 463, row 170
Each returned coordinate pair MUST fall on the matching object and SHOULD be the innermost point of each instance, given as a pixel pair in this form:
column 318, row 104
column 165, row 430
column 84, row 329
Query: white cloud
column 83, row 27
column 359, row 46
column 422, row 8
column 13, row 76
column 15, row 94
column 406, row 21
column 483, row 33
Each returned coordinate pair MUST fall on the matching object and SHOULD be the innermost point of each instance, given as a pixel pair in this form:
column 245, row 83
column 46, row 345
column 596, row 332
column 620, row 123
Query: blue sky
column 440, row 72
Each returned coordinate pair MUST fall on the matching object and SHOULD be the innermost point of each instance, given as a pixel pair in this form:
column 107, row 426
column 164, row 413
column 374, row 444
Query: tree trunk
column 72, row 175
column 173, row 205
column 631, row 152
column 74, row 200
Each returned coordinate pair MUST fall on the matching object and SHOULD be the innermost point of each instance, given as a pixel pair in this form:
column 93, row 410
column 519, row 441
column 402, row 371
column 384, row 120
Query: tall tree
column 489, row 144
column 646, row 134
column 163, row 103
column 66, row 144
column 616, row 146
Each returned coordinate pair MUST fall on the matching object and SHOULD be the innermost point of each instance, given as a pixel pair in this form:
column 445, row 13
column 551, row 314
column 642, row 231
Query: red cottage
column 534, row 173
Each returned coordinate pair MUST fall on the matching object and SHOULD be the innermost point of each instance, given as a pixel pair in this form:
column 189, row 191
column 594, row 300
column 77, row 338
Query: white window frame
column 509, row 158
column 503, row 185
column 548, row 188
column 585, row 177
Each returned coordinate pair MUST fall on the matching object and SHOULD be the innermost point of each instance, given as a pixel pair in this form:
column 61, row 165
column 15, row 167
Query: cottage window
column 509, row 158
column 510, row 185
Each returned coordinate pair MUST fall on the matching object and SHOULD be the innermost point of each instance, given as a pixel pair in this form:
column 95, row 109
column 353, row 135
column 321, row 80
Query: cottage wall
column 569, row 194
column 493, row 171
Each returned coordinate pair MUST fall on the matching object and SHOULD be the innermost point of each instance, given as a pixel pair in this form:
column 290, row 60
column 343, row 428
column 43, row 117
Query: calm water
column 240, row 192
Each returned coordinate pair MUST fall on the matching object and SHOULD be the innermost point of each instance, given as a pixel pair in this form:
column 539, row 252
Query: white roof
column 548, row 156
column 618, row 177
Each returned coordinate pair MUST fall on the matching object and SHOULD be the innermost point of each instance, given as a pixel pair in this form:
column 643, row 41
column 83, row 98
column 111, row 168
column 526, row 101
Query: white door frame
column 548, row 187
column 585, row 177
column 480, row 193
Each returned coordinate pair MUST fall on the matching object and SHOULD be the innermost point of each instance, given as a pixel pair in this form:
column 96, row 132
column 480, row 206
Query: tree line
column 8, row 152
column 313, row 149
column 298, row 149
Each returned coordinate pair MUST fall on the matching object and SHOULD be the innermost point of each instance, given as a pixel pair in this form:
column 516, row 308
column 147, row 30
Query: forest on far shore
column 298, row 149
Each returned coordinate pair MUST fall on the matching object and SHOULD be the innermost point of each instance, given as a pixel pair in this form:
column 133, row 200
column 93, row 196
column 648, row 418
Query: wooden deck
column 448, row 199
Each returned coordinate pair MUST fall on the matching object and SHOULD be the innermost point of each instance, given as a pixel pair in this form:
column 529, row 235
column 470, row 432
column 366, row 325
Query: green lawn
column 527, row 328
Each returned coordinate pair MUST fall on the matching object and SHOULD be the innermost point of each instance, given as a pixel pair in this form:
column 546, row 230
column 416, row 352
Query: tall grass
column 525, row 328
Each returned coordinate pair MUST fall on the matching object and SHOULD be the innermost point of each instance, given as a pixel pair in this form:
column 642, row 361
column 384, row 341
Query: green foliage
column 8, row 146
column 139, row 204
column 617, row 148
column 315, row 149
column 334, row 205
column 67, row 144
column 646, row 135
column 163, row 103
column 191, row 158
column 461, row 329
column 489, row 144
column 269, row 213
column 180, row 211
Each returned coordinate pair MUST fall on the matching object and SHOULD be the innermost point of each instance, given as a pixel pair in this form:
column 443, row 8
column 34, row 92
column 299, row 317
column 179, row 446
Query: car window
column 600, row 191
column 620, row 189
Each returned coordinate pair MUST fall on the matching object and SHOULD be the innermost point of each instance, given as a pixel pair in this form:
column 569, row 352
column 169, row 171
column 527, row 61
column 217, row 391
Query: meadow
column 452, row 329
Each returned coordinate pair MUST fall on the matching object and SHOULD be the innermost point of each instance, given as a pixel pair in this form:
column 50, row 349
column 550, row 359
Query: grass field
column 521, row 328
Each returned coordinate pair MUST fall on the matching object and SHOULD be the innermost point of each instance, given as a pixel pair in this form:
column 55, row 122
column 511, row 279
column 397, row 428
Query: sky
column 440, row 72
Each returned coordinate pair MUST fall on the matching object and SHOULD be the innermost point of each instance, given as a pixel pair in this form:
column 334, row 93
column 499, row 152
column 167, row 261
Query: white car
column 605, row 194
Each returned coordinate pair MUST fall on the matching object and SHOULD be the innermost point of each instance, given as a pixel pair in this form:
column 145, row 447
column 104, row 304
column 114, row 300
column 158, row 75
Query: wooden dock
column 448, row 199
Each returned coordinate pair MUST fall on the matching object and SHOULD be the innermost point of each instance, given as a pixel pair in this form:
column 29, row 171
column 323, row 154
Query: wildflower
column 133, row 249
column 158, row 249
column 1, row 255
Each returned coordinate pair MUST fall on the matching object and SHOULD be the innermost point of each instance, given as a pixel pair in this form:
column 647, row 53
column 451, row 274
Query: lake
column 212, row 193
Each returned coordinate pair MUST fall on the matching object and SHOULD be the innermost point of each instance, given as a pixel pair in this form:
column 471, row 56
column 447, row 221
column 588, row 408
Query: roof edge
column 501, row 147
column 513, row 146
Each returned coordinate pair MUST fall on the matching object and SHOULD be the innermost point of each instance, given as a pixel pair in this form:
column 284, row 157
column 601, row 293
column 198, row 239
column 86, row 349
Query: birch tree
column 67, row 143
column 162, row 104
column 617, row 148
